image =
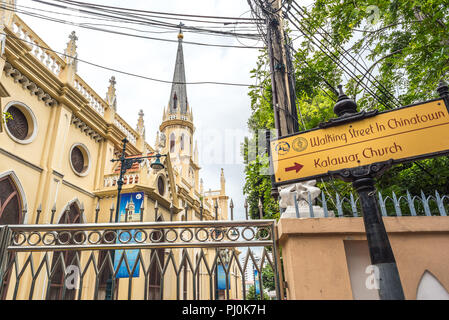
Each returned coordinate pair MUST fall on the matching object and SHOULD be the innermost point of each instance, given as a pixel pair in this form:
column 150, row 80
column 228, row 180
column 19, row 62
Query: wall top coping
column 348, row 225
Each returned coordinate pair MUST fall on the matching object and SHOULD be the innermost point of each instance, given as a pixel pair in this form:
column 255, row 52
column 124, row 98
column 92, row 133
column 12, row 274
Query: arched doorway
column 10, row 213
column 56, row 290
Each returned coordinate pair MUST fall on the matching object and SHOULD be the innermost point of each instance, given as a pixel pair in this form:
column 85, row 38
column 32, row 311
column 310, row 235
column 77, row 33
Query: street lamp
column 126, row 163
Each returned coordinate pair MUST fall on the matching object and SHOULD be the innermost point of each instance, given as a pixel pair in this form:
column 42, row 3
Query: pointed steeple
column 178, row 96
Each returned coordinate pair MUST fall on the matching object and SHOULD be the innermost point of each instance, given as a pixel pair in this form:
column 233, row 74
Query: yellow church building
column 55, row 163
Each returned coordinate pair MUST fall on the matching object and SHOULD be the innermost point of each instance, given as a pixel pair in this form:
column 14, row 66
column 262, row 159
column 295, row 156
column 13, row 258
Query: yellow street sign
column 404, row 134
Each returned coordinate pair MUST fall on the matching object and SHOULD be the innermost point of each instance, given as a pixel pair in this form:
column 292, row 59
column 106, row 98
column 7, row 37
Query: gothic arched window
column 10, row 204
column 182, row 141
column 56, row 286
column 172, row 142
column 10, row 213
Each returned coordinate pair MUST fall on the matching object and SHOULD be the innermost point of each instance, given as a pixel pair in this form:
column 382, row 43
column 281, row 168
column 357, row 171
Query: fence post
column 5, row 238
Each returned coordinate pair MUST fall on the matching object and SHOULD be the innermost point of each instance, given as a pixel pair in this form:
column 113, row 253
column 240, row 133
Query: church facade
column 60, row 135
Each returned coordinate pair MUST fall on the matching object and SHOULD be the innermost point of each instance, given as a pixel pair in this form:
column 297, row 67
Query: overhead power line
column 153, row 12
column 129, row 73
column 311, row 37
column 127, row 34
column 378, row 85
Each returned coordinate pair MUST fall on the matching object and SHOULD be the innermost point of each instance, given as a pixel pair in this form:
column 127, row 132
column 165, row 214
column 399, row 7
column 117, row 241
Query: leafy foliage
column 251, row 294
column 396, row 52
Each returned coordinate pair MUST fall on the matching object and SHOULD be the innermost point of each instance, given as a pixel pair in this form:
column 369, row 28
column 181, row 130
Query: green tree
column 251, row 294
column 397, row 52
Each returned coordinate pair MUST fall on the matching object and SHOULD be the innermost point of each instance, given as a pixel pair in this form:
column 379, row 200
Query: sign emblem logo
column 299, row 144
column 282, row 148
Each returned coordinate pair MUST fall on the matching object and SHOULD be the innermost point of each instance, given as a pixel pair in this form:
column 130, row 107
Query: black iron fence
column 140, row 260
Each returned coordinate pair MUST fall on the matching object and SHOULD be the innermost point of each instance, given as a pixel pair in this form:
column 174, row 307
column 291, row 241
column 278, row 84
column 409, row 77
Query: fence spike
column 111, row 212
column 53, row 210
column 296, row 205
column 411, row 204
column 383, row 209
column 440, row 204
column 245, row 205
column 397, row 207
column 309, row 200
column 97, row 210
column 425, row 204
column 231, row 205
column 339, row 208
column 216, row 209
column 353, row 206
column 324, row 204
column 142, row 208
column 39, row 210
column 172, row 208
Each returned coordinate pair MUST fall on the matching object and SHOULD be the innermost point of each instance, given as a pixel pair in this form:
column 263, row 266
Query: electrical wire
column 333, row 57
column 134, row 35
column 151, row 22
column 381, row 88
column 146, row 11
column 125, row 72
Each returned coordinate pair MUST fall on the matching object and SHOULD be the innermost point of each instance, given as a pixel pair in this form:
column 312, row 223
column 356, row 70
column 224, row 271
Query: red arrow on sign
column 296, row 167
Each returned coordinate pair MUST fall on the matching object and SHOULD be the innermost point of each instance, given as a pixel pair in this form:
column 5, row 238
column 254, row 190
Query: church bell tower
column 177, row 124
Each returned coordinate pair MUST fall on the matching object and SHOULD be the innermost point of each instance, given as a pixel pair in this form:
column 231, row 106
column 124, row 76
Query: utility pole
column 285, row 115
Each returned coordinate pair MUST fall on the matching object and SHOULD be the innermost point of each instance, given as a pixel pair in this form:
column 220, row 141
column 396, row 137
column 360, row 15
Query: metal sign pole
column 362, row 178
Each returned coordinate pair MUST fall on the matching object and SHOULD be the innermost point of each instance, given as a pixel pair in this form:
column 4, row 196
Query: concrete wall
column 325, row 257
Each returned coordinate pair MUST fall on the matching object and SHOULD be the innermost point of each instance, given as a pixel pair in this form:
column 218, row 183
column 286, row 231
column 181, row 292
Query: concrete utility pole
column 285, row 115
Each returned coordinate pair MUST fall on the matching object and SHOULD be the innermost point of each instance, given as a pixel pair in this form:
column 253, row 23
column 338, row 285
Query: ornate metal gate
column 158, row 260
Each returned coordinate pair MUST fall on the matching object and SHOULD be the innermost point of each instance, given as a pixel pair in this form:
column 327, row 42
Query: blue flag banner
column 221, row 275
column 256, row 281
column 132, row 201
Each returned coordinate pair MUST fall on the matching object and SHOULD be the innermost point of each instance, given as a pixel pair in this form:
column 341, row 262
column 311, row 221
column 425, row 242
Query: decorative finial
column 180, row 35
column 70, row 51
column 73, row 36
column 111, row 97
column 344, row 105
column 140, row 124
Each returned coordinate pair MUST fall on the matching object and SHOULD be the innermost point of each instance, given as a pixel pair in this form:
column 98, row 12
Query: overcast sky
column 220, row 112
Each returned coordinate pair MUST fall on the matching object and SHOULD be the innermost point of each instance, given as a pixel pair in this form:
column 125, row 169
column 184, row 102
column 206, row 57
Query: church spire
column 178, row 96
